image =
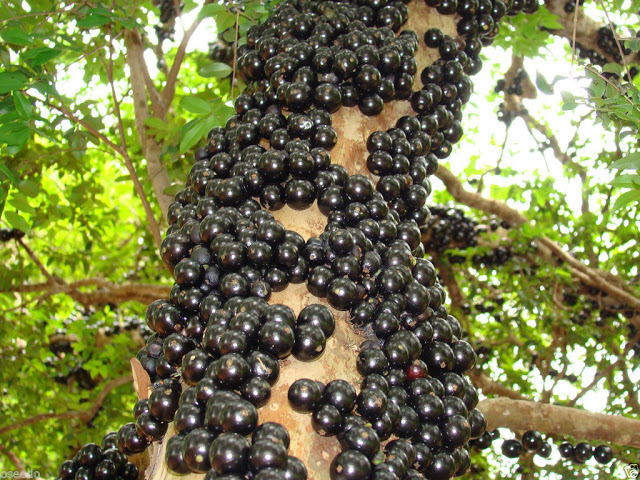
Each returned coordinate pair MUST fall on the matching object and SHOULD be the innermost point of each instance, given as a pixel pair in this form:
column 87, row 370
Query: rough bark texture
column 552, row 419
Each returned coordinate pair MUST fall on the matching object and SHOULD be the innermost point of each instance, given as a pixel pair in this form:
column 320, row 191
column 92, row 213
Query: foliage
column 68, row 124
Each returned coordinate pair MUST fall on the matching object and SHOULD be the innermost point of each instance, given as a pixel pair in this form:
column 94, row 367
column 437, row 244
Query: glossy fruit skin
column 362, row 439
column 318, row 315
column 326, row 420
column 310, row 342
column 173, row 455
column 511, row 448
column 295, row 469
column 566, row 450
column 267, row 454
column 229, row 453
column 350, row 465
column 304, row 395
column 545, row 451
column 603, row 454
column 277, row 339
column 531, row 440
column 582, row 452
column 195, row 450
column 342, row 294
column 149, row 426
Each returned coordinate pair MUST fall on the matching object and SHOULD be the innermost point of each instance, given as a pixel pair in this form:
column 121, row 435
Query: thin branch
column 153, row 224
column 603, row 373
column 170, row 85
column 35, row 260
column 106, row 292
column 85, row 416
column 235, row 52
column 615, row 37
column 13, row 458
column 588, row 275
column 96, row 49
column 62, row 108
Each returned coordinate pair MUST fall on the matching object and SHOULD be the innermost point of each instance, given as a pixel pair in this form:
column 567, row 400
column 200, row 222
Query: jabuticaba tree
column 306, row 334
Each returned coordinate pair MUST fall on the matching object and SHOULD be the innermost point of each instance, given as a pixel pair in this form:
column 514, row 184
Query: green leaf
column 625, row 199
column 215, row 69
column 229, row 35
column 23, row 106
column 40, row 56
column 626, row 181
column 173, row 189
column 16, row 36
column 16, row 221
column 569, row 101
column 22, row 204
column 633, row 44
column 630, row 162
column 195, row 105
column 94, row 20
column 9, row 174
column 192, row 135
column 29, row 188
column 155, row 122
column 11, row 81
column 613, row 68
column 543, row 84
column 598, row 87
column 210, row 10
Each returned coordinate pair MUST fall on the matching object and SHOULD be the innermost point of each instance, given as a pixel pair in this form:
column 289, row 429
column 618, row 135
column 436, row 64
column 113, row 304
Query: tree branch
column 153, row 225
column 587, row 275
column 170, row 85
column 35, row 260
column 581, row 29
column 150, row 148
column 107, row 292
column 13, row 458
column 555, row 420
column 84, row 416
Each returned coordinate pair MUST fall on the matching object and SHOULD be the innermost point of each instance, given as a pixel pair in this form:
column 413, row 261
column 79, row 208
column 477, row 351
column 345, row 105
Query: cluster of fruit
column 7, row 234
column 532, row 442
column 218, row 334
column 571, row 5
column 65, row 358
column 220, row 50
column 451, row 228
column 169, row 10
column 515, row 86
column 99, row 462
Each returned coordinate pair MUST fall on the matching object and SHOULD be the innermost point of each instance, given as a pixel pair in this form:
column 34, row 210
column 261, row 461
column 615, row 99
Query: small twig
column 615, row 37
column 235, row 51
column 556, row 298
column 34, row 258
column 96, row 49
column 153, row 224
column 170, row 84
column 593, row 383
column 13, row 458
column 573, row 34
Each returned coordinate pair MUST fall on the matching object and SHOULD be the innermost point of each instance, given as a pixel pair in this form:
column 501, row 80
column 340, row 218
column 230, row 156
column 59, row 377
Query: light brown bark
column 150, row 148
column 521, row 415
